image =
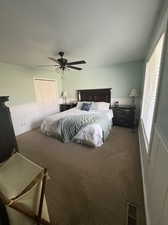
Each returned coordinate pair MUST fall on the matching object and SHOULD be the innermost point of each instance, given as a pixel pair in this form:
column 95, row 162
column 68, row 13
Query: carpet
column 89, row 186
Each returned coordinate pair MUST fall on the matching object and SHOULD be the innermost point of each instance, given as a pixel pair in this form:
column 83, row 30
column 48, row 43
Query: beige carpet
column 89, row 186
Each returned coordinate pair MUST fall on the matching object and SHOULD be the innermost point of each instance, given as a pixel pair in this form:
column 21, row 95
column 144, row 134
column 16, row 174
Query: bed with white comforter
column 75, row 125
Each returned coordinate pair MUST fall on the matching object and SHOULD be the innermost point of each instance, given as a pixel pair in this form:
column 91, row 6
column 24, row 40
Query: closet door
column 46, row 91
column 7, row 137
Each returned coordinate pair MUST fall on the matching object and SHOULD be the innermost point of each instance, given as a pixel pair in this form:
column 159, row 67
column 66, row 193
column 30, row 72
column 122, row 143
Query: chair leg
column 42, row 196
column 24, row 210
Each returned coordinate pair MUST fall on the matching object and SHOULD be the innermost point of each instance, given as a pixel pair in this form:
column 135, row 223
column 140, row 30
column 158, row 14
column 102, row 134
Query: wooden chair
column 22, row 182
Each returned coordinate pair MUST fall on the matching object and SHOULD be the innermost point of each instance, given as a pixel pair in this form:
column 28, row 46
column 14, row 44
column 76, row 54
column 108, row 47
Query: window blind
column 150, row 88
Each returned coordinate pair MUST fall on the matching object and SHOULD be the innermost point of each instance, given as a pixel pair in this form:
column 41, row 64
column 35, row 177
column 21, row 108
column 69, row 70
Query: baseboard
column 140, row 134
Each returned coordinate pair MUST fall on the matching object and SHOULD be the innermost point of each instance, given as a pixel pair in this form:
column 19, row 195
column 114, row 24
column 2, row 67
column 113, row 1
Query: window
column 150, row 89
column 46, row 91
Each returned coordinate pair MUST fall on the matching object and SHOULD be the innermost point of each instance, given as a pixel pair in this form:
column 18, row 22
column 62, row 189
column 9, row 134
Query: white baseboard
column 29, row 116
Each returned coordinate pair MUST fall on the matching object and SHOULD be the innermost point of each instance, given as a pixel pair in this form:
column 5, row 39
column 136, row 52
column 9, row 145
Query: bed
column 90, row 127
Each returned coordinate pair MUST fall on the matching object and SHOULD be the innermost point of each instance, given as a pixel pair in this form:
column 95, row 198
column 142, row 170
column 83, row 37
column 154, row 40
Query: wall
column 17, row 82
column 155, row 163
column 121, row 78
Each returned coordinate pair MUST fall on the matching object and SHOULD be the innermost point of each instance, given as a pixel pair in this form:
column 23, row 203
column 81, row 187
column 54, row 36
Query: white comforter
column 91, row 134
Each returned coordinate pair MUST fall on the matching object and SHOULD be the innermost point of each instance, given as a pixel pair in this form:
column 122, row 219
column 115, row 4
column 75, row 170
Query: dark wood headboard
column 94, row 95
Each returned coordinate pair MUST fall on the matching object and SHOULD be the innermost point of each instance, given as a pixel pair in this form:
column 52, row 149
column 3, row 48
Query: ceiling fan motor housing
column 61, row 53
column 62, row 61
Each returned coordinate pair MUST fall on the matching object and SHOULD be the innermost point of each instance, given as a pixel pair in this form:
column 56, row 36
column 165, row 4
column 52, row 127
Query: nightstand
column 124, row 115
column 64, row 107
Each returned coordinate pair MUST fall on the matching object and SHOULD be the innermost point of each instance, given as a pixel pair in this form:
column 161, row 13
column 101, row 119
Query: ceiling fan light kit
column 63, row 64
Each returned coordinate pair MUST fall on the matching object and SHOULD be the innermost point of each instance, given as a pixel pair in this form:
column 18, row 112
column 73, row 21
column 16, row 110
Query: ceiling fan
column 63, row 64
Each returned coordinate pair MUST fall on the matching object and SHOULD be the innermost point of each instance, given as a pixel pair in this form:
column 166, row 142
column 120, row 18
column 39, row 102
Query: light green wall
column 17, row 82
column 121, row 78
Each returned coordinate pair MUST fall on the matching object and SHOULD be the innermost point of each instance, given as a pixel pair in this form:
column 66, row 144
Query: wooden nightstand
column 124, row 115
column 64, row 107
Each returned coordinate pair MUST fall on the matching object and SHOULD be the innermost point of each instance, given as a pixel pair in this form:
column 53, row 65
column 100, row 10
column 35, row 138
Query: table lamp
column 133, row 94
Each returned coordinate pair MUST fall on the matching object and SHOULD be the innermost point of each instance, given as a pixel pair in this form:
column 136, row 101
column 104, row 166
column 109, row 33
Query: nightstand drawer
column 124, row 123
column 124, row 112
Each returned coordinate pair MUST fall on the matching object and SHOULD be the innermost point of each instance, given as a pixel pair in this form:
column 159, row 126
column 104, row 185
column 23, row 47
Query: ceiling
column 103, row 32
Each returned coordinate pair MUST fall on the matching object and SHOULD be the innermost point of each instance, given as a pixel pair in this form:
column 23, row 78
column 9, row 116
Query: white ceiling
column 102, row 32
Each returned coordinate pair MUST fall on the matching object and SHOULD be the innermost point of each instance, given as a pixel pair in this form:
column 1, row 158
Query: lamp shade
column 133, row 93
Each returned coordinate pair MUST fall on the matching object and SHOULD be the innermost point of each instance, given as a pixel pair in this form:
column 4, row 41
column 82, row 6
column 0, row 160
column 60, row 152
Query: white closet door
column 46, row 91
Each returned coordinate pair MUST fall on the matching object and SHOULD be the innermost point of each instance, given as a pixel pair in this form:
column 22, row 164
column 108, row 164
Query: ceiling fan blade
column 74, row 67
column 46, row 65
column 51, row 58
column 76, row 62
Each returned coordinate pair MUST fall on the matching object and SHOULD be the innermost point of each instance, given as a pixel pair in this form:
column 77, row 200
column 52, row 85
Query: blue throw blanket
column 66, row 128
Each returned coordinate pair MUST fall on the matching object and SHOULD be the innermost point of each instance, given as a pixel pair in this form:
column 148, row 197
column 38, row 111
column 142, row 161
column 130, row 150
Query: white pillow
column 79, row 104
column 101, row 106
